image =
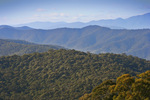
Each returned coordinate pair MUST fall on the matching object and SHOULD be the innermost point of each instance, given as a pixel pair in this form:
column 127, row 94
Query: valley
column 93, row 38
column 74, row 49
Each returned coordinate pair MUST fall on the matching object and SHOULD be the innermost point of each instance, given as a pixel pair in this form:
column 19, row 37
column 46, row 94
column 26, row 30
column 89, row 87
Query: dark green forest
column 62, row 74
column 125, row 88
column 20, row 47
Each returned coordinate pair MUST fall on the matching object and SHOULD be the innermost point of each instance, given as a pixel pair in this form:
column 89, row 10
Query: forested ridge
column 62, row 74
column 20, row 47
column 126, row 87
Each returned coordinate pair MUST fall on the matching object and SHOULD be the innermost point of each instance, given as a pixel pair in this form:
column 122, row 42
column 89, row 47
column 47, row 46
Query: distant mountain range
column 19, row 28
column 19, row 47
column 135, row 22
column 95, row 39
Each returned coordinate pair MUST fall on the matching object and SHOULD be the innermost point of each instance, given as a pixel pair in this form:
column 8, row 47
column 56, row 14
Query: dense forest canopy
column 20, row 47
column 62, row 74
column 125, row 88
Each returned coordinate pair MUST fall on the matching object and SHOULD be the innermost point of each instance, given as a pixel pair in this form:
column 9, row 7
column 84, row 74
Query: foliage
column 125, row 88
column 20, row 47
column 66, row 74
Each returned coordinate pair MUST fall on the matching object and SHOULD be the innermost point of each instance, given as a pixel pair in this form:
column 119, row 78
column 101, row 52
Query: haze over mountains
column 135, row 22
column 74, row 49
column 94, row 38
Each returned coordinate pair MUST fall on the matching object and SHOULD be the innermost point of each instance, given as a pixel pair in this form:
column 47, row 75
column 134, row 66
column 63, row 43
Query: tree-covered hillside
column 125, row 88
column 94, row 38
column 19, row 47
column 61, row 74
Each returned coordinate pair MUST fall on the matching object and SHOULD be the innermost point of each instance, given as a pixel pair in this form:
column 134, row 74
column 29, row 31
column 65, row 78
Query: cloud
column 3, row 20
column 56, row 17
column 67, row 17
column 40, row 9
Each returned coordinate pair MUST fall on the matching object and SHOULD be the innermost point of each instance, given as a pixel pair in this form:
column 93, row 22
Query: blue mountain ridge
column 91, row 38
column 134, row 22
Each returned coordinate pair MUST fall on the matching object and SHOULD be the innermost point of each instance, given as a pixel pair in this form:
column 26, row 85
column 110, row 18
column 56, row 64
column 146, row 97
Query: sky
column 14, row 12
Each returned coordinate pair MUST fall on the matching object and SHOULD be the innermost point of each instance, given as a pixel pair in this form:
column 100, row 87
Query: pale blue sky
column 25, row 11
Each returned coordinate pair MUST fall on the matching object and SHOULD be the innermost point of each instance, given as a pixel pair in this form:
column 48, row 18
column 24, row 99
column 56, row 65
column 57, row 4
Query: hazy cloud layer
column 24, row 11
